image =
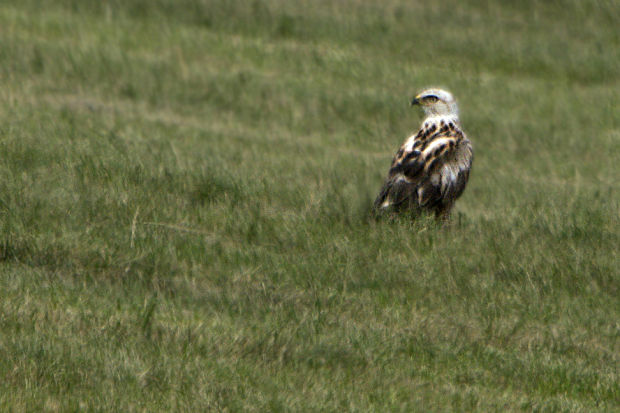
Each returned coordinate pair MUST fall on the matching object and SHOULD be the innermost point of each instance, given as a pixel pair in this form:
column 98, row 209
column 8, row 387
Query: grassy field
column 184, row 207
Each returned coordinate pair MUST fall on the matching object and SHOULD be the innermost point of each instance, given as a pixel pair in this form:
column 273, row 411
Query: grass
column 184, row 207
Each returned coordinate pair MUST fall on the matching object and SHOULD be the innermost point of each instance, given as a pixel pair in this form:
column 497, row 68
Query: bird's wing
column 454, row 170
column 424, row 172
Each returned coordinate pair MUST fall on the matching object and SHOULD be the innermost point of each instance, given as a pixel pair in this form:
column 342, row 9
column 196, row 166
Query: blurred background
column 185, row 189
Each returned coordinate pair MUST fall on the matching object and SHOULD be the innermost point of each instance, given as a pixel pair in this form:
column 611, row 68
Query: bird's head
column 436, row 102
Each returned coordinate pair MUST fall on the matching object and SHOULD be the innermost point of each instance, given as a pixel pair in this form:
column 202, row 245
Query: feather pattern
column 431, row 168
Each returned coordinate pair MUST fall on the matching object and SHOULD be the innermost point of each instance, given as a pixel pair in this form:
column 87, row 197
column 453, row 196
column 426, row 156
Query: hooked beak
column 415, row 101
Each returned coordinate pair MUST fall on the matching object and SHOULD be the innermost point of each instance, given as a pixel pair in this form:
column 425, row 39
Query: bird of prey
column 430, row 170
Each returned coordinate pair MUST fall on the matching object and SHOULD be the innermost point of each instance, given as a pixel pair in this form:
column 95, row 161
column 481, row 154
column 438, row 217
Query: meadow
column 185, row 193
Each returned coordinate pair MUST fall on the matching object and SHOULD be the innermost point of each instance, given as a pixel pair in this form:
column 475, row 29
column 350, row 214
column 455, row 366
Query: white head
column 436, row 102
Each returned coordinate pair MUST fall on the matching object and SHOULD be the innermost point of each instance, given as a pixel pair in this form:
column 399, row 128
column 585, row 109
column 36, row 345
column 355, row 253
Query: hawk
column 430, row 170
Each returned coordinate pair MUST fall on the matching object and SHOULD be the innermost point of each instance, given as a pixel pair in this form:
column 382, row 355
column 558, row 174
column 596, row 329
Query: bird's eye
column 431, row 99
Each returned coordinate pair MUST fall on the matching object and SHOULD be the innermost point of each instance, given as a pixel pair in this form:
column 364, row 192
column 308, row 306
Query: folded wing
column 427, row 173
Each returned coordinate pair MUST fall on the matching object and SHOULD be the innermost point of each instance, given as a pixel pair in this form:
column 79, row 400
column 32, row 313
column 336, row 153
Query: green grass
column 184, row 207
